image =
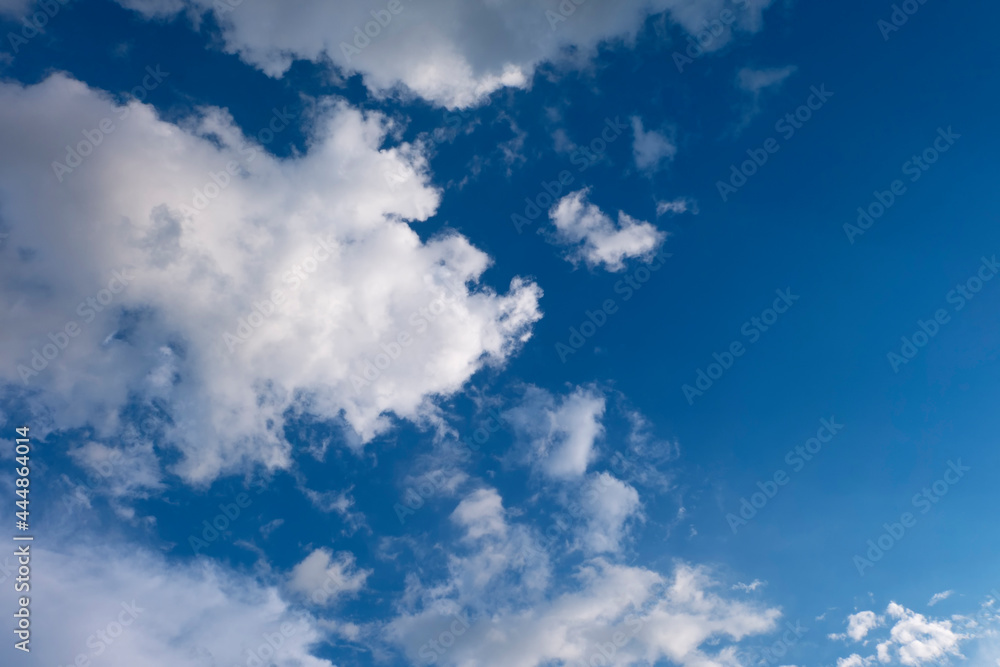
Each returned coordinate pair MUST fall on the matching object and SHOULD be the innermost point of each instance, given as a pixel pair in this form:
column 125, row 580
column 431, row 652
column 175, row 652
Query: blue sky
column 525, row 328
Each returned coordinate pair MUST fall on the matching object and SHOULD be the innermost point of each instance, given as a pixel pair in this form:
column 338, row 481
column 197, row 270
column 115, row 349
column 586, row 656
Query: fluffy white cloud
column 650, row 148
column 122, row 607
column 323, row 578
column 595, row 237
column 481, row 514
column 492, row 611
column 164, row 251
column 450, row 52
column 860, row 623
column 913, row 638
column 608, row 503
column 919, row 640
column 559, row 434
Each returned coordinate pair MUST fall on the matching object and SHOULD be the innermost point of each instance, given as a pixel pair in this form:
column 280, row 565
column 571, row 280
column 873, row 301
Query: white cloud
column 323, row 578
column 755, row 80
column 449, row 52
column 920, row 640
column 126, row 472
column 939, row 597
column 172, row 614
column 747, row 588
column 608, row 504
column 595, row 237
column 481, row 514
column 676, row 206
column 560, row 434
column 860, row 623
column 194, row 274
column 501, row 609
column 650, row 148
column 341, row 503
column 913, row 639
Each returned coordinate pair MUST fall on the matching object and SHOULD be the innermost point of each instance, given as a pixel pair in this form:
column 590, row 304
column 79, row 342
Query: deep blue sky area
column 789, row 228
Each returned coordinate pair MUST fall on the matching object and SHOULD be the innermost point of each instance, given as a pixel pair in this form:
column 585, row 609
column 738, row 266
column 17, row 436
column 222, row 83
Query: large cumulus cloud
column 222, row 290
